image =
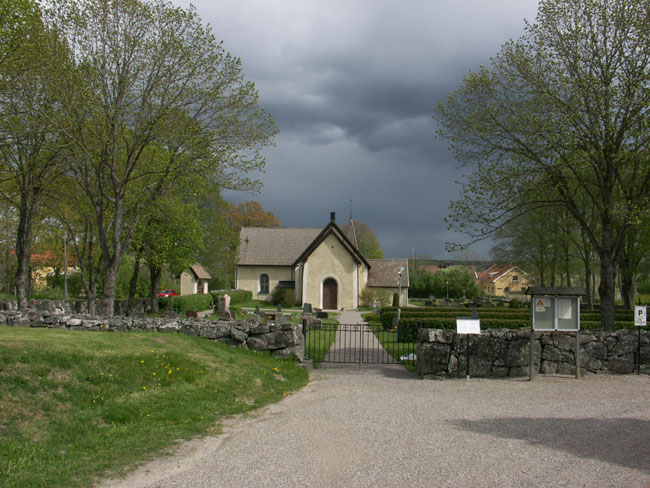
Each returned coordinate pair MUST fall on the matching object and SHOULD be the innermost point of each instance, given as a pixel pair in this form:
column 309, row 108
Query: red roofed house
column 503, row 281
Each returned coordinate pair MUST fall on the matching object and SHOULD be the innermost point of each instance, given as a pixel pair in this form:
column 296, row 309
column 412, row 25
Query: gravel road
column 380, row 427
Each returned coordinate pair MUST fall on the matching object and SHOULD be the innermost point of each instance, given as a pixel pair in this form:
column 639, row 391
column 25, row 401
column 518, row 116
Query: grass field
column 76, row 406
column 319, row 341
column 388, row 340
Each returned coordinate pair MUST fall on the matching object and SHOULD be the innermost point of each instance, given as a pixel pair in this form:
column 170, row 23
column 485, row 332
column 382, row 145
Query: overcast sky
column 352, row 85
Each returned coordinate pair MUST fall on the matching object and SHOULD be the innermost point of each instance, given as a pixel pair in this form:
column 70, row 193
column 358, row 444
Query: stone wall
column 502, row 353
column 282, row 340
column 80, row 306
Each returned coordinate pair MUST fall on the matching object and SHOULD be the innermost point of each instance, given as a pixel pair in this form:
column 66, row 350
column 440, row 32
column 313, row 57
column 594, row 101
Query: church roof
column 272, row 246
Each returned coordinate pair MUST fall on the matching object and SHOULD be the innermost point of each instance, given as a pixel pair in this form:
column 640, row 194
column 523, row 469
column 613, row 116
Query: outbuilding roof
column 200, row 272
column 383, row 272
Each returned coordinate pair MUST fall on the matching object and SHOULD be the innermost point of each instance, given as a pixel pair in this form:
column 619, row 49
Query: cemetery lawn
column 77, row 406
column 388, row 340
column 319, row 341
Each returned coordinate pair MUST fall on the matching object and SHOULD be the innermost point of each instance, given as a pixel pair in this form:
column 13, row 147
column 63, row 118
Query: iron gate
column 357, row 343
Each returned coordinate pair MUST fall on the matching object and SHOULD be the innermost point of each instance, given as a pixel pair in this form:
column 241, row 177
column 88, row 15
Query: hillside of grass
column 76, row 406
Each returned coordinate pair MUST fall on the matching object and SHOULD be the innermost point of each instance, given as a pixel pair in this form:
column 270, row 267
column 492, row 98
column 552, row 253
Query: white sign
column 542, row 304
column 468, row 326
column 564, row 309
column 640, row 316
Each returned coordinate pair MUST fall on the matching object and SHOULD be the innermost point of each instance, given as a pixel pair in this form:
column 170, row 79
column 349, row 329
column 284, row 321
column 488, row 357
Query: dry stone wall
column 502, row 353
column 282, row 340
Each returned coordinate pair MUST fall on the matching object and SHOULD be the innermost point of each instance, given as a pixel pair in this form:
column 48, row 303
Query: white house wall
column 330, row 260
column 248, row 279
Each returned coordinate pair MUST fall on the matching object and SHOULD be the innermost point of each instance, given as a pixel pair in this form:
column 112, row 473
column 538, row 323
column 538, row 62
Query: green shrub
column 370, row 296
column 284, row 297
column 184, row 303
column 370, row 317
column 236, row 296
column 514, row 303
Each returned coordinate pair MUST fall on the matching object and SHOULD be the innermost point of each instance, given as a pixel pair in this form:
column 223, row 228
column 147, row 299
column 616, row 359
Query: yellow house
column 503, row 281
column 323, row 266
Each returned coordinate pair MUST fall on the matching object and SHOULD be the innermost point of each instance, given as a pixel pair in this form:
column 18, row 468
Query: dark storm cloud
column 352, row 86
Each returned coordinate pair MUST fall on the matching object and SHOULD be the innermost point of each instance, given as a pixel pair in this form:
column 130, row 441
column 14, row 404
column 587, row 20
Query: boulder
column 238, row 335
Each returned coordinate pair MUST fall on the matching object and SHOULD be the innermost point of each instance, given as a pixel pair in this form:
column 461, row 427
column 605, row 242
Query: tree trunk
column 155, row 273
column 606, row 291
column 588, row 290
column 23, row 251
column 110, row 278
column 628, row 288
column 133, row 284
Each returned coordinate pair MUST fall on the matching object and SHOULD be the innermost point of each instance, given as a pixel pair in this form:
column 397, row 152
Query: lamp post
column 447, row 285
column 400, row 270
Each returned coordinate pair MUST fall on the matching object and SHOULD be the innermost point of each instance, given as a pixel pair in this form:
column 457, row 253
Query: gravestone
column 279, row 309
column 221, row 305
column 306, row 308
column 257, row 311
column 322, row 315
column 226, row 302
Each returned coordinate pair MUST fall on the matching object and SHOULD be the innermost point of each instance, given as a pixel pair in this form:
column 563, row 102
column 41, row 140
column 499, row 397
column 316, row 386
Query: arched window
column 264, row 283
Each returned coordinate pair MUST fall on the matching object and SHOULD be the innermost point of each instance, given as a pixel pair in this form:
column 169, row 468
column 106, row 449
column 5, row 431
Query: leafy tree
column 457, row 281
column 29, row 147
column 152, row 98
column 249, row 214
column 366, row 240
column 560, row 118
column 170, row 235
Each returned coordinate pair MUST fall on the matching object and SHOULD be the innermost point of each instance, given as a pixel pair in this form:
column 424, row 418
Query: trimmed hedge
column 494, row 318
column 198, row 302
column 236, row 296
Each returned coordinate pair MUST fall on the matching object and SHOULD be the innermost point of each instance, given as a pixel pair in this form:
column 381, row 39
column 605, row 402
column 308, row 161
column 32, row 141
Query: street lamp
column 400, row 270
column 447, row 285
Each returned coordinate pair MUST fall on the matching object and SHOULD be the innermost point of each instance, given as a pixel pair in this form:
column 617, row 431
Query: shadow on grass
column 621, row 441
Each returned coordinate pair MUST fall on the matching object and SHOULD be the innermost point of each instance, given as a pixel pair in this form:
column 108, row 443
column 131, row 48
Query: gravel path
column 384, row 427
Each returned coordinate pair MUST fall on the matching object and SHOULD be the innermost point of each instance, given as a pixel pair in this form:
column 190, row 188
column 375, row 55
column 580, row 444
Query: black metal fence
column 356, row 344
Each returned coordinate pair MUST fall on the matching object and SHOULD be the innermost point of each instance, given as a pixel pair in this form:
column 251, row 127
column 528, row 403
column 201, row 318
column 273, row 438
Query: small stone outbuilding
column 194, row 280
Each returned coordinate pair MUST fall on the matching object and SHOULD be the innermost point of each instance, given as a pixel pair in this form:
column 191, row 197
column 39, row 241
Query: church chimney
column 333, row 216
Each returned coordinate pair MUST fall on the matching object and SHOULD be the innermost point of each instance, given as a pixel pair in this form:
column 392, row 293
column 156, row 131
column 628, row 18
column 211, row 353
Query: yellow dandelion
column 284, row 393
column 154, row 374
column 144, row 387
column 169, row 372
column 142, row 361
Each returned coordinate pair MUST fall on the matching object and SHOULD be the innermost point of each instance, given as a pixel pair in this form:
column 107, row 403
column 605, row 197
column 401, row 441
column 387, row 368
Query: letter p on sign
column 640, row 316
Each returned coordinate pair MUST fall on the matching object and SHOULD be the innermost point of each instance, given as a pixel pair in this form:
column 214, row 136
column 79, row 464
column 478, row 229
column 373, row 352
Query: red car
column 167, row 293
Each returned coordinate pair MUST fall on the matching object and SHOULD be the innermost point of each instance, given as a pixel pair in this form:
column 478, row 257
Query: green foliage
column 457, row 280
column 368, row 244
column 371, row 317
column 236, row 296
column 198, row 302
column 395, row 300
column 70, row 397
column 494, row 318
column 514, row 303
column 371, row 296
column 284, row 297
